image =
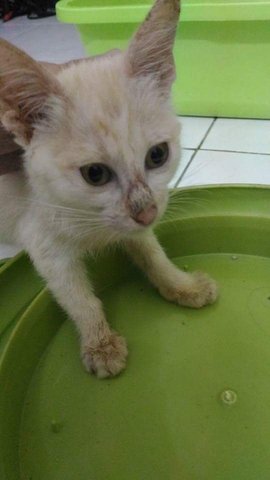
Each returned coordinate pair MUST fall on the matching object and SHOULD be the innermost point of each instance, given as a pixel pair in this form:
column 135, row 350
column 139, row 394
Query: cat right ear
column 25, row 87
column 151, row 49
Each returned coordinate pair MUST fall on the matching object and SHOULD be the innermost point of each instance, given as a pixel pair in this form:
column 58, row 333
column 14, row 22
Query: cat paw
column 198, row 291
column 106, row 359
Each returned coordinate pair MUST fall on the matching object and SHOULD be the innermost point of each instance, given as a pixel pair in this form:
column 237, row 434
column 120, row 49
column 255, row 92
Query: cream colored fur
column 111, row 110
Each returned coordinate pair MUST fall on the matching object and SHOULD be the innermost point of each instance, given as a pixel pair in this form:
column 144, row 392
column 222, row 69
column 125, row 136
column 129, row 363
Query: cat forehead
column 104, row 86
column 112, row 115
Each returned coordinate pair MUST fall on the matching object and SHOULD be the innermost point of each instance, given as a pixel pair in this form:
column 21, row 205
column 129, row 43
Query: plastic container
column 194, row 400
column 222, row 49
column 19, row 284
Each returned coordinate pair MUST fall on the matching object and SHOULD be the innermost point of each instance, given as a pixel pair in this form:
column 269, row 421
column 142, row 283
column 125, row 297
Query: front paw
column 106, row 359
column 196, row 291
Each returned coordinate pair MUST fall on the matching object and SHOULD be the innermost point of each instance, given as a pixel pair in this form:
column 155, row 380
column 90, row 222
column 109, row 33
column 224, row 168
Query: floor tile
column 186, row 156
column 9, row 31
column 239, row 136
column 20, row 25
column 7, row 251
column 194, row 130
column 24, row 20
column 54, row 42
column 210, row 167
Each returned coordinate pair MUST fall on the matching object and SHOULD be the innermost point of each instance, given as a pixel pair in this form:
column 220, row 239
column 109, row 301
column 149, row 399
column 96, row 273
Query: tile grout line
column 195, row 152
column 185, row 169
column 207, row 133
column 233, row 151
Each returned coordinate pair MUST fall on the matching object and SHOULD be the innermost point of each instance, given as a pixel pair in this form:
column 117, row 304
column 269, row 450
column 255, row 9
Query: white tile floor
column 214, row 150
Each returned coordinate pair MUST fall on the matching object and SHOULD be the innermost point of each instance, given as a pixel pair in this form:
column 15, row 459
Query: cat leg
column 103, row 351
column 187, row 289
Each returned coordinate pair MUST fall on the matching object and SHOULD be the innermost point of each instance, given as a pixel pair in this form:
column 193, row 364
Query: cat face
column 99, row 134
column 113, row 147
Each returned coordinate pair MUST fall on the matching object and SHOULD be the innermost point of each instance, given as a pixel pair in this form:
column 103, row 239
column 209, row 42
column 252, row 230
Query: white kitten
column 101, row 143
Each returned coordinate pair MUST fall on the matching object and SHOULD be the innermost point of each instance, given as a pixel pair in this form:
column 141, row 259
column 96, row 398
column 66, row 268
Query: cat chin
column 138, row 230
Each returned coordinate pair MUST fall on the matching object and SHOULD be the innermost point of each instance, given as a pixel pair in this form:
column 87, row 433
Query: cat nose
column 146, row 216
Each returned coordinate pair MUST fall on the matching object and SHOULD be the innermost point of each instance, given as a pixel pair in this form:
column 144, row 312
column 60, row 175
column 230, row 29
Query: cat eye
column 96, row 174
column 157, row 155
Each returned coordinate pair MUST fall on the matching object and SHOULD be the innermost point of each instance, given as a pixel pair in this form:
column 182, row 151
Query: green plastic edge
column 5, row 263
column 207, row 12
column 19, row 283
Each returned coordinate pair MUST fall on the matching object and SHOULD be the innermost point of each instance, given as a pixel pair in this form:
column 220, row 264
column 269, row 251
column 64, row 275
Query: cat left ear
column 25, row 87
column 151, row 49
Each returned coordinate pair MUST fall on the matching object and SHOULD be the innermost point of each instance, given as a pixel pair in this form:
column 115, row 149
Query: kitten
column 101, row 144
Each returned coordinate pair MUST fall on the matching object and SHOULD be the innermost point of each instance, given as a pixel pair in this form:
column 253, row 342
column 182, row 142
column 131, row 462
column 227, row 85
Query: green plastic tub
column 222, row 49
column 193, row 403
column 19, row 284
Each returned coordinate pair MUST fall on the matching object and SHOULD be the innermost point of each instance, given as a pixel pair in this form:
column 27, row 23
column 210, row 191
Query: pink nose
column 146, row 216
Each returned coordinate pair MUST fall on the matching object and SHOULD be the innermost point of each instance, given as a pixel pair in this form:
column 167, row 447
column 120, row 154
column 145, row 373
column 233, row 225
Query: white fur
column 106, row 115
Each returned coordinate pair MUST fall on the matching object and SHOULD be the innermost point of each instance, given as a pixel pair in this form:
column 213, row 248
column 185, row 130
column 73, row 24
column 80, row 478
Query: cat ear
column 150, row 50
column 25, row 87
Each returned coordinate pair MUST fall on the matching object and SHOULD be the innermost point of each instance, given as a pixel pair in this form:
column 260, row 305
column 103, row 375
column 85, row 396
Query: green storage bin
column 222, row 49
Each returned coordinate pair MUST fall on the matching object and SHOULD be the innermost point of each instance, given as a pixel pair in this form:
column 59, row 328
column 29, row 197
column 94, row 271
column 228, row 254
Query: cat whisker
column 69, row 221
column 86, row 227
column 66, row 212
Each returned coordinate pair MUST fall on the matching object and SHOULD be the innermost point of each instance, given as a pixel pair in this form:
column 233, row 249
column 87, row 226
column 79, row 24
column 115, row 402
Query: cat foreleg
column 188, row 289
column 103, row 351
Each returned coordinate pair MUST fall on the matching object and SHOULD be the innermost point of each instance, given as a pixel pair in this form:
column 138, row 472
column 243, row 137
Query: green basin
column 193, row 401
